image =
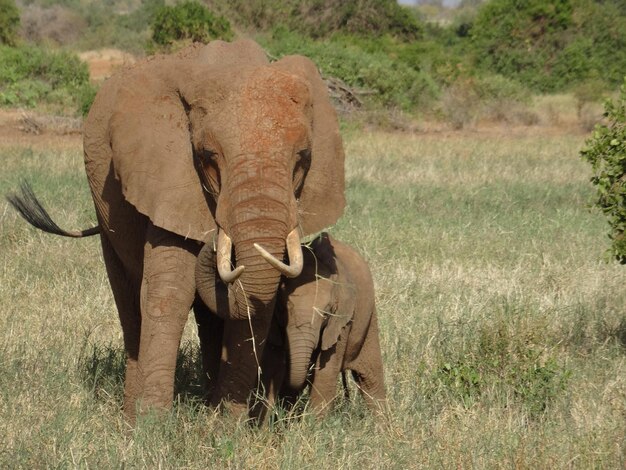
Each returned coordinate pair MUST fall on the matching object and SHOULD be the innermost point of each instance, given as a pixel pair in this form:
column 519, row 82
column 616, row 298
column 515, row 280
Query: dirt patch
column 19, row 128
column 104, row 62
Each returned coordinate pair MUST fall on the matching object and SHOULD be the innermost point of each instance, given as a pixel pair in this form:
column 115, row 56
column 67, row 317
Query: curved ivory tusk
column 294, row 251
column 224, row 248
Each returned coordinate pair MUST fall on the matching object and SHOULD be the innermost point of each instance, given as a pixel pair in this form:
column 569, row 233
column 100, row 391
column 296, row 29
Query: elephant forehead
column 272, row 106
column 316, row 291
column 304, row 314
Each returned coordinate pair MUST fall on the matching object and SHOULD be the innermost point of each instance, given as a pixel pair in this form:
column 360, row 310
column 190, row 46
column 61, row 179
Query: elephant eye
column 210, row 171
column 303, row 155
column 207, row 156
column 300, row 169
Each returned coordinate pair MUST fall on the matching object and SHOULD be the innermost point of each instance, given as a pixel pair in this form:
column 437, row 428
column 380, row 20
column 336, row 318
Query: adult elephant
column 211, row 145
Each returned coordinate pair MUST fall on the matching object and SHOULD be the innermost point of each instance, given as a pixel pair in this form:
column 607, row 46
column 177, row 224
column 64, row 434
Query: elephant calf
column 326, row 317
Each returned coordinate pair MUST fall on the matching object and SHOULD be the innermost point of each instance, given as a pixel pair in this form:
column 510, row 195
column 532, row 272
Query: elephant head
column 316, row 305
column 218, row 145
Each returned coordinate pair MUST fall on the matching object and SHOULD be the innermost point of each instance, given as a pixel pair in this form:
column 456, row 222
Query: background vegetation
column 482, row 63
column 32, row 76
column 606, row 151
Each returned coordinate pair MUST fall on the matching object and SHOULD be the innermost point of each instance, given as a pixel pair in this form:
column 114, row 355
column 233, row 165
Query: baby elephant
column 327, row 318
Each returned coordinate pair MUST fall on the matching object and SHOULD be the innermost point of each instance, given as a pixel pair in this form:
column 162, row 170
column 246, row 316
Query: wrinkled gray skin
column 324, row 318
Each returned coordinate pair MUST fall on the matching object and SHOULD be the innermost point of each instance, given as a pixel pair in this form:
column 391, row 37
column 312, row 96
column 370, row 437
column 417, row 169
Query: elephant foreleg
column 167, row 294
column 367, row 369
column 244, row 342
column 324, row 384
column 272, row 375
column 210, row 334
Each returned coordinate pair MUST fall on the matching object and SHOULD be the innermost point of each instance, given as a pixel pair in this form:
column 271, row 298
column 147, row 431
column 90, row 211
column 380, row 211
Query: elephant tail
column 29, row 207
column 344, row 382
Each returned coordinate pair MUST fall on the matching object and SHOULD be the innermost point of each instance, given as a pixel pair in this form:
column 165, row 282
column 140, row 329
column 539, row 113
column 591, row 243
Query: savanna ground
column 503, row 329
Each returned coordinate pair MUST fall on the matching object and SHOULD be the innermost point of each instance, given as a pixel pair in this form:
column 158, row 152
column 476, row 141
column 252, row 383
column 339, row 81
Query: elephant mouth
column 230, row 274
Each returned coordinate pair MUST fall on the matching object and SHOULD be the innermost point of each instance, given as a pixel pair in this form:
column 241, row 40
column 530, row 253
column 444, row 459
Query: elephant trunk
column 261, row 212
column 257, row 208
column 252, row 291
column 257, row 286
column 211, row 289
column 302, row 341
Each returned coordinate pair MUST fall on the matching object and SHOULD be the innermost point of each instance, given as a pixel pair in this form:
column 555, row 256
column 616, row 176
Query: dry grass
column 503, row 331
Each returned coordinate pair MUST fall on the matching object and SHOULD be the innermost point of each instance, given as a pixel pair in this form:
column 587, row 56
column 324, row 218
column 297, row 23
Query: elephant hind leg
column 367, row 369
column 126, row 294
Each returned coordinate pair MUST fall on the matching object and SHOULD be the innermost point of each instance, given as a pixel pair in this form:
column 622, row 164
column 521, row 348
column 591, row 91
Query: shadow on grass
column 102, row 368
column 618, row 333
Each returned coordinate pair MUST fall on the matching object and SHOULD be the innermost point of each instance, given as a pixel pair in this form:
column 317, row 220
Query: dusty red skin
column 218, row 117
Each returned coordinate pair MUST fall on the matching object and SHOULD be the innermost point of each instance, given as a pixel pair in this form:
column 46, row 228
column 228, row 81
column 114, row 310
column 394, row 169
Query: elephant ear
column 340, row 312
column 151, row 150
column 343, row 298
column 322, row 198
column 150, row 134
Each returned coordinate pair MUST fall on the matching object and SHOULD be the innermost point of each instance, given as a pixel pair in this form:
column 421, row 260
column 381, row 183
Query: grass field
column 503, row 329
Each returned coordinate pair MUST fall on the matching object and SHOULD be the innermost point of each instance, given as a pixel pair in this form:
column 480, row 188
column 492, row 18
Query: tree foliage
column 606, row 151
column 324, row 18
column 550, row 46
column 9, row 22
column 188, row 20
column 30, row 76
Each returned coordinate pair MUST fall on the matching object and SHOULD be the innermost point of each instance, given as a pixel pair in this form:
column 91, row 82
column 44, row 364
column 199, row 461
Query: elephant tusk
column 224, row 249
column 294, row 251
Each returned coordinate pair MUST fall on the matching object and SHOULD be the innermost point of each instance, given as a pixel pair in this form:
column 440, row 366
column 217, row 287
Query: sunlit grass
column 503, row 330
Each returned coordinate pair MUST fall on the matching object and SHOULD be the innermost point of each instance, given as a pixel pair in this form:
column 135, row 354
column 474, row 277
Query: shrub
column 606, row 151
column 30, row 75
column 9, row 22
column 490, row 97
column 188, row 21
column 365, row 17
column 129, row 32
column 57, row 24
column 324, row 18
column 551, row 45
column 459, row 103
column 521, row 38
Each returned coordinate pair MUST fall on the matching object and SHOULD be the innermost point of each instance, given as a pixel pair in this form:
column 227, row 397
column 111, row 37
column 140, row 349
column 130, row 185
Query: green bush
column 9, row 22
column 188, row 21
column 521, row 39
column 606, row 151
column 30, row 75
column 129, row 31
column 550, row 46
